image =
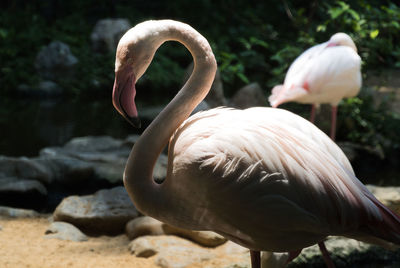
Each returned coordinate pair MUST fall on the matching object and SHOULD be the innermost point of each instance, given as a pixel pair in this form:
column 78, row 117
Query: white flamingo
column 325, row 73
column 264, row 178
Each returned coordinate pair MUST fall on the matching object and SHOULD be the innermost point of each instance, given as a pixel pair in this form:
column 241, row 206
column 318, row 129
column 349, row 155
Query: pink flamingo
column 264, row 178
column 325, row 73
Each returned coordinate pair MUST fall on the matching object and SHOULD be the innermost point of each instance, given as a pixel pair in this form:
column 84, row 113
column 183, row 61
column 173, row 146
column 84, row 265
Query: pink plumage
column 325, row 73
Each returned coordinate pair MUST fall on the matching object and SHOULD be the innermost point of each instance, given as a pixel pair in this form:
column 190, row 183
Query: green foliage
column 367, row 124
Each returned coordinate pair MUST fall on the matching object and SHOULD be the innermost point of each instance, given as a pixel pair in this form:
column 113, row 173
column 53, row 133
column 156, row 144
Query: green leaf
column 321, row 28
column 354, row 14
column 335, row 12
column 243, row 77
column 373, row 34
column 395, row 24
column 3, row 33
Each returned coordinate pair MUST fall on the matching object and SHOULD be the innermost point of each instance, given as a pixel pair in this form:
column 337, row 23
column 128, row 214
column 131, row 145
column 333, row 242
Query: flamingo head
column 341, row 39
column 135, row 51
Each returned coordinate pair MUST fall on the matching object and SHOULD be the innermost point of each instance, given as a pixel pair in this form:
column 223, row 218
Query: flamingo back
column 292, row 184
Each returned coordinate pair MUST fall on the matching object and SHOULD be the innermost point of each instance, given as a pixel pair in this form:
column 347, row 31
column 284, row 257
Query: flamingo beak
column 123, row 95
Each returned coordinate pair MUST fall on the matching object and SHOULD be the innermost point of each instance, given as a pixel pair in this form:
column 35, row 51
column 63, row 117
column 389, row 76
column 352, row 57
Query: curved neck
column 149, row 197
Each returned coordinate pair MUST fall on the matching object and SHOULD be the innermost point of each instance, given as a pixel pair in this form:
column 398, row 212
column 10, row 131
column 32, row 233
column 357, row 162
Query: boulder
column 64, row 231
column 65, row 170
column 142, row 226
column 170, row 251
column 203, row 238
column 203, row 106
column 24, row 168
column 17, row 192
column 7, row 212
column 14, row 185
column 105, row 212
column 149, row 226
column 131, row 140
column 107, row 33
column 45, row 89
column 82, row 165
column 89, row 158
column 274, row 259
column 55, row 62
column 251, row 95
column 347, row 253
column 384, row 89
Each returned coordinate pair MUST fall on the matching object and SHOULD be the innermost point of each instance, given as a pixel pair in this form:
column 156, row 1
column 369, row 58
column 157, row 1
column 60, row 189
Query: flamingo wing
column 291, row 193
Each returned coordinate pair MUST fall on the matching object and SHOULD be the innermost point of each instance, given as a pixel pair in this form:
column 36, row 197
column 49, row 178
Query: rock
column 66, row 170
column 22, row 182
column 149, row 226
column 49, row 89
column 170, row 251
column 24, row 168
column 91, row 158
column 93, row 144
column 105, row 212
column 131, row 140
column 45, row 89
column 384, row 89
column 273, row 259
column 389, row 196
column 8, row 212
column 13, row 185
column 249, row 96
column 64, row 231
column 388, row 96
column 231, row 248
column 143, row 248
column 55, row 62
column 215, row 96
column 203, row 106
column 143, row 226
column 91, row 163
column 17, row 192
column 230, row 255
column 346, row 253
column 204, row 238
column 106, row 34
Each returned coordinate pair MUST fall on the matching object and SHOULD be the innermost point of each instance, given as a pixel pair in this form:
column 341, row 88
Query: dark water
column 27, row 125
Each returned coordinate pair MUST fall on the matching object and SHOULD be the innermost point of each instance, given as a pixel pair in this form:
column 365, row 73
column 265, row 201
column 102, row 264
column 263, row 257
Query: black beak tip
column 134, row 121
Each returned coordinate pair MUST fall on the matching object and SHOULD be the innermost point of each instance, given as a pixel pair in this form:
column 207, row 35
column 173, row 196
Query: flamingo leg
column 333, row 124
column 293, row 255
column 255, row 259
column 312, row 114
column 325, row 254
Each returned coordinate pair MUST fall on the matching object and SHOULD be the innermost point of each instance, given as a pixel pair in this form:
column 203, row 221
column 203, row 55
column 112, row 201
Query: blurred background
column 57, row 66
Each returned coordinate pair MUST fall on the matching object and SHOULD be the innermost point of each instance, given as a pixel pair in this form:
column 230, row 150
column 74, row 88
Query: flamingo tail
column 383, row 231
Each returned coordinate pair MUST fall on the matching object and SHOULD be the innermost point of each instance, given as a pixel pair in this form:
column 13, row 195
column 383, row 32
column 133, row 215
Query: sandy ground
column 22, row 244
